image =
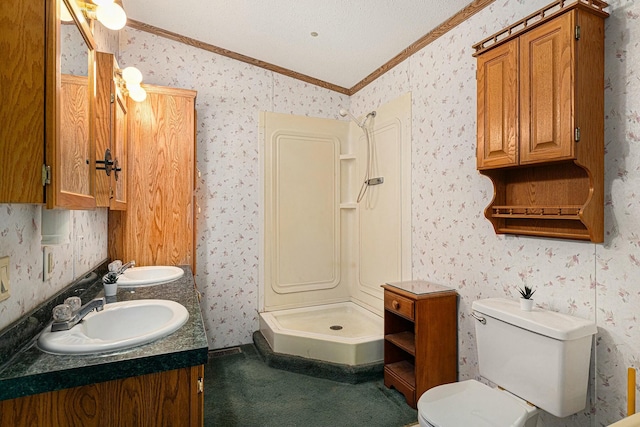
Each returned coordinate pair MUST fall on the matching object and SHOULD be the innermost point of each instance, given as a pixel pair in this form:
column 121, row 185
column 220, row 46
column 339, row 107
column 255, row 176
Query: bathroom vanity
column 420, row 337
column 159, row 383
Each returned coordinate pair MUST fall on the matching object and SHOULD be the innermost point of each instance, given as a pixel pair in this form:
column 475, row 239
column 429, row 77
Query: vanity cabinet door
column 169, row 398
column 120, row 172
column 157, row 226
column 498, row 107
column 22, row 70
column 546, row 91
column 74, row 167
column 47, row 122
column 111, row 129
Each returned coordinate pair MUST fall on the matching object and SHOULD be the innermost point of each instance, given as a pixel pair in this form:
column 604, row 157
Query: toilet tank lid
column 552, row 324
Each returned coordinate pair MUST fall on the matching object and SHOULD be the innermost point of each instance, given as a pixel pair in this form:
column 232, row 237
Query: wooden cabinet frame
column 420, row 341
column 541, row 122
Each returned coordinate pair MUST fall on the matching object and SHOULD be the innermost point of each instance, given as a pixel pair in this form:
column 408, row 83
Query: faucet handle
column 74, row 302
column 62, row 313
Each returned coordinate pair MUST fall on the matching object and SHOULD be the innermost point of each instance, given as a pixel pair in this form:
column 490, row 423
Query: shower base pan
column 343, row 333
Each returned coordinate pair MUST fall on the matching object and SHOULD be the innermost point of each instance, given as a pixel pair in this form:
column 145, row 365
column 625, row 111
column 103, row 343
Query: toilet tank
column 540, row 356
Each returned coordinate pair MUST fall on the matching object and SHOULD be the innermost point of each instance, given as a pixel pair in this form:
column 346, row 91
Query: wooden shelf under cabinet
column 420, row 332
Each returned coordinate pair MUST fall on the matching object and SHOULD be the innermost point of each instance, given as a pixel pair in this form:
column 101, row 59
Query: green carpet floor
column 241, row 390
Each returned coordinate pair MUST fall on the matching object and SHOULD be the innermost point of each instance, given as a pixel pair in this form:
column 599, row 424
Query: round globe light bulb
column 132, row 76
column 112, row 16
column 102, row 2
column 137, row 93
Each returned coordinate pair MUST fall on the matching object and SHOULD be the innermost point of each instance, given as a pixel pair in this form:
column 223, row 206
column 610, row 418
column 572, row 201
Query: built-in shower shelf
column 348, row 205
column 347, row 157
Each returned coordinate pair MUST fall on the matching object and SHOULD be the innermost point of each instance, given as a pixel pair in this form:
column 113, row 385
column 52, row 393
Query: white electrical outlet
column 47, row 264
column 4, row 278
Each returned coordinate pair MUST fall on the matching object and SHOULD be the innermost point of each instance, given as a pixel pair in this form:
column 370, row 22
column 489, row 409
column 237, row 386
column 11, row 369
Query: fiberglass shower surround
column 367, row 180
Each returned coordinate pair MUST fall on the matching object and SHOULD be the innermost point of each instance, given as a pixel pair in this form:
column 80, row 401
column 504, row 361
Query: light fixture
column 109, row 12
column 129, row 81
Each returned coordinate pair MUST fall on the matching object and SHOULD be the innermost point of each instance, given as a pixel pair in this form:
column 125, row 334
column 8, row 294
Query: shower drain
column 335, row 327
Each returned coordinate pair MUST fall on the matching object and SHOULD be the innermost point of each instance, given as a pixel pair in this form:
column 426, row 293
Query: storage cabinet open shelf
column 549, row 200
column 405, row 340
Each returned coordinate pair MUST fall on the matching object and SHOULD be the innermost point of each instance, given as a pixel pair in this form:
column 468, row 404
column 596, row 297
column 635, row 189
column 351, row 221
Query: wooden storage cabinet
column 541, row 122
column 170, row 398
column 46, row 142
column 157, row 227
column 420, row 337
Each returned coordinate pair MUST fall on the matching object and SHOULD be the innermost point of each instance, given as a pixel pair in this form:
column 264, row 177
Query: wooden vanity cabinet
column 46, row 141
column 541, row 122
column 420, row 337
column 170, row 398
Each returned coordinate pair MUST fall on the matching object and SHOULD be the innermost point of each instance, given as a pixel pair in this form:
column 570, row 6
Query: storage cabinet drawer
column 399, row 305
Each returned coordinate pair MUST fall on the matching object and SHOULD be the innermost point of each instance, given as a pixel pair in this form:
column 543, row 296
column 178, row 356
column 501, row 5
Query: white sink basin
column 119, row 326
column 150, row 275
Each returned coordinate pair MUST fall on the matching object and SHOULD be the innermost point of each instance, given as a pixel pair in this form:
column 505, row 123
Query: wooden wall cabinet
column 541, row 122
column 170, row 398
column 158, row 226
column 420, row 337
column 111, row 134
column 46, row 142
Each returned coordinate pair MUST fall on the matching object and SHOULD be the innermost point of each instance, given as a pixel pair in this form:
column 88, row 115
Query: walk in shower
column 336, row 226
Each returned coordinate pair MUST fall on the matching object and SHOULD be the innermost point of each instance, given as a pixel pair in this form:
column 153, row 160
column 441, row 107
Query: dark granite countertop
column 31, row 371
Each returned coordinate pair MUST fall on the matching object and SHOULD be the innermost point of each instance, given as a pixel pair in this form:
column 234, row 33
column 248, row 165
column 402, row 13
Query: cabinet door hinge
column 113, row 98
column 200, row 385
column 576, row 135
column 577, row 32
column 46, row 175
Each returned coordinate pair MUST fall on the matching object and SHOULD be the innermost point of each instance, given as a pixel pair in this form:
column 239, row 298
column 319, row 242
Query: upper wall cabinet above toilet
column 541, row 122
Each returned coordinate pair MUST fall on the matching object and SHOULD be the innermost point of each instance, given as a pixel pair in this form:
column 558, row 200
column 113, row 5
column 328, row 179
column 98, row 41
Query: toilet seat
column 471, row 403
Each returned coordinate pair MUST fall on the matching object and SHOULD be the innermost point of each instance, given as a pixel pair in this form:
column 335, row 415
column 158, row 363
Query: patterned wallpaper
column 230, row 96
column 20, row 236
column 453, row 244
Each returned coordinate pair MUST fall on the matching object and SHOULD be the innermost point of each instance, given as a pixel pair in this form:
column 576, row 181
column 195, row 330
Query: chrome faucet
column 122, row 269
column 66, row 324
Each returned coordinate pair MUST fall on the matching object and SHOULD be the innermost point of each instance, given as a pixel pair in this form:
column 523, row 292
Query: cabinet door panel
column 546, row 92
column 74, row 136
column 22, row 69
column 158, row 225
column 119, row 197
column 498, row 107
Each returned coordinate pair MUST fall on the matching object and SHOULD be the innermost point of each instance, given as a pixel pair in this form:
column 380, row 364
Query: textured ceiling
column 355, row 37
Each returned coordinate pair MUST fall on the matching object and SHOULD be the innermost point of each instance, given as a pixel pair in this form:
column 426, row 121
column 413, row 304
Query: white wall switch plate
column 4, row 278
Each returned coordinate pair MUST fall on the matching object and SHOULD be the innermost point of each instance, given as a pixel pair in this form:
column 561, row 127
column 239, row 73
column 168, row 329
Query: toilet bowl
column 471, row 403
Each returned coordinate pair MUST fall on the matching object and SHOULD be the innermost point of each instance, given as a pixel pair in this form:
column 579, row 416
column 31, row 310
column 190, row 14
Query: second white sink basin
column 119, row 326
column 149, row 275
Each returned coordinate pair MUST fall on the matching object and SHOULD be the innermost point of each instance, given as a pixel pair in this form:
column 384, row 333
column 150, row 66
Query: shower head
column 345, row 113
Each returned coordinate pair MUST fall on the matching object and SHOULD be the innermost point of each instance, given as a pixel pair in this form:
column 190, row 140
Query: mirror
column 73, row 155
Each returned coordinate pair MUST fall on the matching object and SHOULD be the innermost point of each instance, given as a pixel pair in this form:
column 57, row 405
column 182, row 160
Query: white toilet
column 537, row 358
